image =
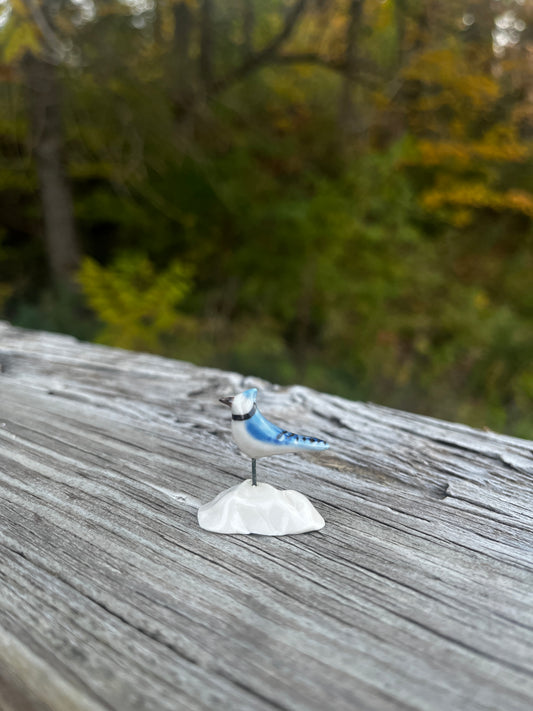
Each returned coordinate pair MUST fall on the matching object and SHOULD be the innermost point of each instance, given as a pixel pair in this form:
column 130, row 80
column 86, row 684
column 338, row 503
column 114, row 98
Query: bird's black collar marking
column 247, row 416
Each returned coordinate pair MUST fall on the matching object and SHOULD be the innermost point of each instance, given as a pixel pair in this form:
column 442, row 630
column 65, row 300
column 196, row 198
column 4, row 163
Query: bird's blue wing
column 263, row 430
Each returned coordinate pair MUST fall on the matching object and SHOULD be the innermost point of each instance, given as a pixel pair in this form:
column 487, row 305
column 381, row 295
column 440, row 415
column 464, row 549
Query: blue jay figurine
column 257, row 437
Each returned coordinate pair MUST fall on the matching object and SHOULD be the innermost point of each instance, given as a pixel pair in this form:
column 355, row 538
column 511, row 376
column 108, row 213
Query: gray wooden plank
column 417, row 594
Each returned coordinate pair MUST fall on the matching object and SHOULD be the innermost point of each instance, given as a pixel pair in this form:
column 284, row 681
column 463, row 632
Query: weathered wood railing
column 418, row 593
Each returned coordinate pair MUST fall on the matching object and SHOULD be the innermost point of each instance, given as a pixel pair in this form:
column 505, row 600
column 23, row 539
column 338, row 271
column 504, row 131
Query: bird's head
column 242, row 403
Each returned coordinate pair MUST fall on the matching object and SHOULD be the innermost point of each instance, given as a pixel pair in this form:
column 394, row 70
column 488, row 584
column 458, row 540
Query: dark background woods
column 336, row 193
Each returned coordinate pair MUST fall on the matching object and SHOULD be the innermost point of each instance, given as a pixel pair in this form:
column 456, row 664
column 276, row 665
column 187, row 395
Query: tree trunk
column 347, row 116
column 248, row 21
column 400, row 15
column 183, row 26
column 206, row 44
column 44, row 108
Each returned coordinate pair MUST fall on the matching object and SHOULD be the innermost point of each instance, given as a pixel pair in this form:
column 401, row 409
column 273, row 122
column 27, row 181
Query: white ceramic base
column 259, row 509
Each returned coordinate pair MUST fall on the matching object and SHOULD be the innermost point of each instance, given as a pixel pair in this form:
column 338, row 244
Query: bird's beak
column 227, row 400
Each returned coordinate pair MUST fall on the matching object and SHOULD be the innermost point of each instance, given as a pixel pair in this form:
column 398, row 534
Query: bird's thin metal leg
column 254, row 478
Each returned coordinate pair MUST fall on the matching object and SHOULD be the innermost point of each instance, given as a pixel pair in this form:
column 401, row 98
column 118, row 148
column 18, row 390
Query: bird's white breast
column 254, row 448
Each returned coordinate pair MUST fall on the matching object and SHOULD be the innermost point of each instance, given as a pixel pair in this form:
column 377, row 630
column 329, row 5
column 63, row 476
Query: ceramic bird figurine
column 257, row 437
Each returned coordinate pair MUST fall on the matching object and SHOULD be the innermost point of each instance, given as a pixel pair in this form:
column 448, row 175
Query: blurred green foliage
column 139, row 306
column 384, row 255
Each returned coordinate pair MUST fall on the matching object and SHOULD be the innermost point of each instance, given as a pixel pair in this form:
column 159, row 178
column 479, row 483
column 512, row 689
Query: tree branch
column 270, row 55
column 265, row 55
column 309, row 58
column 365, row 74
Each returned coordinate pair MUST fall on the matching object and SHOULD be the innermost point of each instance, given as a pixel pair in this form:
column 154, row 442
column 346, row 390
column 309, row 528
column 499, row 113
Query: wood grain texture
column 418, row 593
